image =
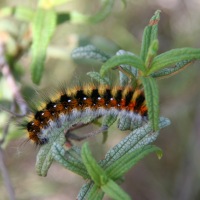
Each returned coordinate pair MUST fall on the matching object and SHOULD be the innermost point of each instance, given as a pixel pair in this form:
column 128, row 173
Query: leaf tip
column 155, row 19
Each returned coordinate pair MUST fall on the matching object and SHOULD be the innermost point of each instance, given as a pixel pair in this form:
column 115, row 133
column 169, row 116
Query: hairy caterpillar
column 89, row 100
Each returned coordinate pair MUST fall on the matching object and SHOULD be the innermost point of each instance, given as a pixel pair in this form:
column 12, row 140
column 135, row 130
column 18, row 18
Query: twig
column 5, row 69
column 72, row 136
column 6, row 127
column 6, row 177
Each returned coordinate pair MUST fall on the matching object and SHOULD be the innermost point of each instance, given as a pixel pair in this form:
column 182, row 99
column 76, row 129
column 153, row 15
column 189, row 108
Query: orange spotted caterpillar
column 89, row 100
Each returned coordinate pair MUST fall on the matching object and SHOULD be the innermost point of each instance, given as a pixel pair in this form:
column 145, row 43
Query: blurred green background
column 177, row 175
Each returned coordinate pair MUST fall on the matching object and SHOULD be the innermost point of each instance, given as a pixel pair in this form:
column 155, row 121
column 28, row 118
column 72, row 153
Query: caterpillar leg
column 108, row 120
column 71, row 136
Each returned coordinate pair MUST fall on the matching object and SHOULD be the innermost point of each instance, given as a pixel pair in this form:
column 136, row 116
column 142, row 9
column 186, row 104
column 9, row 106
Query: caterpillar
column 78, row 102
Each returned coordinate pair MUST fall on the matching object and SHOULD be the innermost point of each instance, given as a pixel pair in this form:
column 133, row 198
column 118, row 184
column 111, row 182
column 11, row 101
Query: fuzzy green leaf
column 153, row 23
column 132, row 60
column 152, row 52
column 45, row 154
column 108, row 120
column 172, row 57
column 136, row 139
column 70, row 159
column 95, row 193
column 150, row 34
column 95, row 171
column 44, row 157
column 85, row 190
column 124, row 123
column 89, row 52
column 126, row 162
column 114, row 191
column 90, row 191
column 145, row 43
column 172, row 70
column 43, row 27
column 152, row 100
column 128, row 124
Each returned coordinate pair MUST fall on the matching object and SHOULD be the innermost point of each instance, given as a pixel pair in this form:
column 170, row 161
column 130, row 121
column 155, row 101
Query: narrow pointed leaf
column 43, row 27
column 136, row 139
column 126, row 162
column 85, row 190
column 152, row 52
column 152, row 100
column 95, row 171
column 44, row 157
column 124, row 123
column 153, row 23
column 70, row 159
column 114, row 191
column 108, row 120
column 166, row 72
column 150, row 34
column 95, row 193
column 132, row 60
column 145, row 43
column 172, row 57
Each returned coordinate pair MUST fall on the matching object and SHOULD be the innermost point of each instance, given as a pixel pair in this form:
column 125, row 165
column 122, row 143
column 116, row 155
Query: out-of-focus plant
column 35, row 28
column 141, row 71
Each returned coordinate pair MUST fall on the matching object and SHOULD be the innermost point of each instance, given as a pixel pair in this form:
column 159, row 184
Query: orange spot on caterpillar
column 83, row 102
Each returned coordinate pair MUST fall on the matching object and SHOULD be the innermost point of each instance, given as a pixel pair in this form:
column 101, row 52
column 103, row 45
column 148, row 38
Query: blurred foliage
column 177, row 175
column 42, row 23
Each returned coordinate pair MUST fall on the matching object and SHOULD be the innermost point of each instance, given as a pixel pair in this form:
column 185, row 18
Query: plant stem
column 6, row 177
